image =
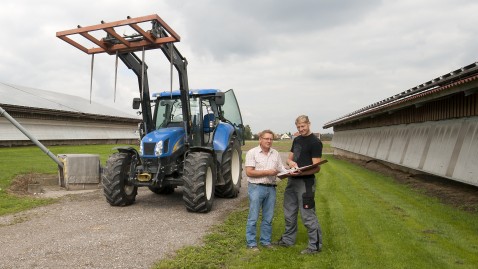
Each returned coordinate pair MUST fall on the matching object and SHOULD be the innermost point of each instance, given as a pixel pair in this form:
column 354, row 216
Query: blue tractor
column 206, row 161
column 189, row 138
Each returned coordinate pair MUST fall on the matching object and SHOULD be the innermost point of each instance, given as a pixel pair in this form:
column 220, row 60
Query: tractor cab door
column 232, row 113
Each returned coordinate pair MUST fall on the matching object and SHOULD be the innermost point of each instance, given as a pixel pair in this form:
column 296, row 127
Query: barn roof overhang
column 26, row 111
column 463, row 80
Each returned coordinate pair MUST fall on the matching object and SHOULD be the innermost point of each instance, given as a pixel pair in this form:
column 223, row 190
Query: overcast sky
column 282, row 58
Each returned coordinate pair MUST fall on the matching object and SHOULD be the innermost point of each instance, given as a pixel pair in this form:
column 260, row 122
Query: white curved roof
column 29, row 97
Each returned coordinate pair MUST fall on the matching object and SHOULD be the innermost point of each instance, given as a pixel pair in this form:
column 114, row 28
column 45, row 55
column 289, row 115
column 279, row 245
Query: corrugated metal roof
column 460, row 76
column 29, row 97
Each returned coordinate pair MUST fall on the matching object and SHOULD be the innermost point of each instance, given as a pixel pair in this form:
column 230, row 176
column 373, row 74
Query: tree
column 327, row 137
column 247, row 133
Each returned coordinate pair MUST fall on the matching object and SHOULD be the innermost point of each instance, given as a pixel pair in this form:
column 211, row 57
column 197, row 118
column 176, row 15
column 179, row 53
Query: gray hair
column 266, row 132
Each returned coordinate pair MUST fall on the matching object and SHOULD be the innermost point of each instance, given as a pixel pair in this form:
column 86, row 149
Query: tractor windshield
column 169, row 113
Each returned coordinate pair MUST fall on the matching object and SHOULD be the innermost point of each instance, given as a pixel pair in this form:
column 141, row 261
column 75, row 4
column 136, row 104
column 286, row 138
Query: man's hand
column 292, row 164
column 272, row 172
column 295, row 173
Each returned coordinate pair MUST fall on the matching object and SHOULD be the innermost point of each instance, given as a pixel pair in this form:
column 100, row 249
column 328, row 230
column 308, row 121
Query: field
column 29, row 162
column 369, row 220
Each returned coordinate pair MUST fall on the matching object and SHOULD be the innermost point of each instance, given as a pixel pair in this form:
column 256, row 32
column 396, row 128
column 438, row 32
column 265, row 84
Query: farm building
column 58, row 119
column 431, row 128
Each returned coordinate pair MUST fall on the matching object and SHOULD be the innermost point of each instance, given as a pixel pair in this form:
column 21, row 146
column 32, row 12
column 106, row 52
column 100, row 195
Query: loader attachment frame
column 159, row 36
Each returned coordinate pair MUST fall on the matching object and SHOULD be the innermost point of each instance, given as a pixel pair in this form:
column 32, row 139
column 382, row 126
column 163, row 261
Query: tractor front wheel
column 115, row 180
column 199, row 178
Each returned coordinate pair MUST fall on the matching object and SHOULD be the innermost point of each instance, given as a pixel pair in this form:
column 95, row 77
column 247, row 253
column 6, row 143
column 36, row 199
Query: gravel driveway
column 84, row 231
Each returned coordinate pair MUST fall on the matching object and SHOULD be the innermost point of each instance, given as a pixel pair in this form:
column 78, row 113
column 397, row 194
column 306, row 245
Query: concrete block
column 80, row 171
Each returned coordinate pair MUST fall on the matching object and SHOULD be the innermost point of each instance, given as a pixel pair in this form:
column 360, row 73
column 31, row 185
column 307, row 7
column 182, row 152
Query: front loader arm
column 180, row 63
column 141, row 70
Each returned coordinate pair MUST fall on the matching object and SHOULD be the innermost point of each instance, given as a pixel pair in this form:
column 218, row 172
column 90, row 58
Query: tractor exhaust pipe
column 33, row 139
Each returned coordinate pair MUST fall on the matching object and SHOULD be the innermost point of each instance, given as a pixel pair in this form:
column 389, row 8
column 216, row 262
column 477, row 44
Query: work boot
column 281, row 243
column 309, row 251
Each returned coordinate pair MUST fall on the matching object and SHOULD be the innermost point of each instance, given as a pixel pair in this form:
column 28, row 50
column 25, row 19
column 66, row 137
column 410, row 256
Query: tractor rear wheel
column 115, row 180
column 199, row 179
column 231, row 169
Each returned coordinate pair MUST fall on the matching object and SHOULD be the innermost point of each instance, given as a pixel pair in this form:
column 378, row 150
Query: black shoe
column 309, row 251
column 281, row 243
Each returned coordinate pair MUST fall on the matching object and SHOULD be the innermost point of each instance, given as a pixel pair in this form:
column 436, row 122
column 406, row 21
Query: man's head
column 303, row 125
column 265, row 139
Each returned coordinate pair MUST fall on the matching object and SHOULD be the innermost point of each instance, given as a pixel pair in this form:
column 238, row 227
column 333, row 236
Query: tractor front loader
column 189, row 138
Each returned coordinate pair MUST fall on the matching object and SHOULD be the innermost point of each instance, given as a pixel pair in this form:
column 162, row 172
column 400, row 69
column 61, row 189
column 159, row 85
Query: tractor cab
column 209, row 108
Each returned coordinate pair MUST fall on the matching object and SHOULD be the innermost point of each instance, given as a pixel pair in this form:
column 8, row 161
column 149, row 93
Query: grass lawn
column 24, row 160
column 368, row 221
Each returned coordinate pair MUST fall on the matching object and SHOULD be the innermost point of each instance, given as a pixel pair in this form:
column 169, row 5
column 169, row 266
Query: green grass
column 368, row 221
column 24, row 160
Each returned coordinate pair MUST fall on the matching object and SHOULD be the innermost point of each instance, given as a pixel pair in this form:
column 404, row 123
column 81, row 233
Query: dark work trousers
column 292, row 205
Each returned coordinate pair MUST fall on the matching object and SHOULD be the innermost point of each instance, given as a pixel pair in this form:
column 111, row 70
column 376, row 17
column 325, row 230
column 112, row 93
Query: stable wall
column 66, row 132
column 447, row 148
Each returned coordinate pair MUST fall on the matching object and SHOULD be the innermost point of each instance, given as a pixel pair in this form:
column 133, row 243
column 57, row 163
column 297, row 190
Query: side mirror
column 220, row 98
column 136, row 103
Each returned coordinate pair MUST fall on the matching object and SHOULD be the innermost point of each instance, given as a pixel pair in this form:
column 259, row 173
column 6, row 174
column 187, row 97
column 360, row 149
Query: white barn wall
column 446, row 148
column 66, row 130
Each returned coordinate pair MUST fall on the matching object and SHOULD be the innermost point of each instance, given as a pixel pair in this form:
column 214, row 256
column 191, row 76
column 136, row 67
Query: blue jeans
column 260, row 197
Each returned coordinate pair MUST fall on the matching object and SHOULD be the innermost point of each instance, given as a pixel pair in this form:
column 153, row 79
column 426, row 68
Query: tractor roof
column 195, row 92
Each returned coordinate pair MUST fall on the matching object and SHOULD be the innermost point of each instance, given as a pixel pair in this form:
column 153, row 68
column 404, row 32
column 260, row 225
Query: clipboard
column 303, row 168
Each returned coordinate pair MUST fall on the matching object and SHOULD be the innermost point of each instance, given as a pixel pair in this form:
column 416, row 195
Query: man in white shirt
column 262, row 164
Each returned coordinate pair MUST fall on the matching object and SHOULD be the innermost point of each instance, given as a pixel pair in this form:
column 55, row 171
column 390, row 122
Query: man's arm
column 293, row 164
column 290, row 161
column 312, row 171
column 252, row 172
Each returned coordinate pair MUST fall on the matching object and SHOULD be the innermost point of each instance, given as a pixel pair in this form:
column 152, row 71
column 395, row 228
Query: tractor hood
column 162, row 142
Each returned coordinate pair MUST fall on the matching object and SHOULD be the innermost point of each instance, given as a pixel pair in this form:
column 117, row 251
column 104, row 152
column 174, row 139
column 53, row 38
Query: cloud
column 230, row 30
column 282, row 58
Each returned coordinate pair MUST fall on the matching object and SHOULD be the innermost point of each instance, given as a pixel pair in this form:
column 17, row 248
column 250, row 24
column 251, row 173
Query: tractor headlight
column 158, row 149
column 141, row 148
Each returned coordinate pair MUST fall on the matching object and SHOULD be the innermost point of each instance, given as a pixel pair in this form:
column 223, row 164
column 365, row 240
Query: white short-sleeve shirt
column 256, row 158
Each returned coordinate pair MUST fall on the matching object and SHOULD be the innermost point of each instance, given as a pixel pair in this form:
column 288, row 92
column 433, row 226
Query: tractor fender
column 222, row 136
column 129, row 150
column 202, row 149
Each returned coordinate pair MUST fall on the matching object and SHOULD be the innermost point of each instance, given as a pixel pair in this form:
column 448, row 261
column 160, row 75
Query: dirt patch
column 48, row 186
column 454, row 193
column 20, row 184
